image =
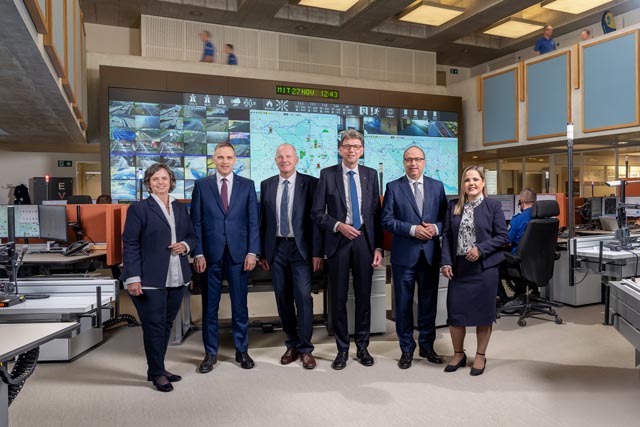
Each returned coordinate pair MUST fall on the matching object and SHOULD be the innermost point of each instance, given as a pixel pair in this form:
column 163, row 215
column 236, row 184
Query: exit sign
column 65, row 163
column 453, row 70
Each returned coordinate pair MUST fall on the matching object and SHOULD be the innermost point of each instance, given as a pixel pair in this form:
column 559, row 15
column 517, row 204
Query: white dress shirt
column 229, row 185
column 420, row 182
column 347, row 191
column 279, row 191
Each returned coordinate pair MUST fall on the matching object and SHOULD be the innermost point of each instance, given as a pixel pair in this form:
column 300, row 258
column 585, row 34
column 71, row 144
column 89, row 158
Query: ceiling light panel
column 427, row 13
column 339, row 5
column 573, row 6
column 514, row 28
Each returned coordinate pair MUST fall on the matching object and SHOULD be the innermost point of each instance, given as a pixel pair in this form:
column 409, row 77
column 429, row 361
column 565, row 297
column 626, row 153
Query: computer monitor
column 53, row 222
column 596, row 207
column 609, row 206
column 4, row 223
column 27, row 222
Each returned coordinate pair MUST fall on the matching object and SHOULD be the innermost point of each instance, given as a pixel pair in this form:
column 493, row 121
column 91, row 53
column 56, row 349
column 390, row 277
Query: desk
column 18, row 339
column 71, row 299
column 593, row 233
column 58, row 258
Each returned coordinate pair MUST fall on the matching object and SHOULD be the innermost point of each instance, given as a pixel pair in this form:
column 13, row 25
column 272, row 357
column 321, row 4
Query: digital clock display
column 307, row 91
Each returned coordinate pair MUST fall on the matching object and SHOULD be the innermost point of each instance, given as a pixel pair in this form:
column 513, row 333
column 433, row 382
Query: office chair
column 532, row 265
column 80, row 199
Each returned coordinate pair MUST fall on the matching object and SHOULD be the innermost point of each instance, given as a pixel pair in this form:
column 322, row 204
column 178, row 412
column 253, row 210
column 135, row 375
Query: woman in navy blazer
column 158, row 236
column 474, row 232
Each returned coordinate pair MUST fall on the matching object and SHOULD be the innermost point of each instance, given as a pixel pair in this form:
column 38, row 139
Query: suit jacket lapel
column 297, row 195
column 364, row 189
column 156, row 209
column 340, row 185
column 405, row 185
column 273, row 194
column 234, row 192
column 213, row 182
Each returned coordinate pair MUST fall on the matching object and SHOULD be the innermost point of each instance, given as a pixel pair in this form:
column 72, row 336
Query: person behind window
column 545, row 44
column 208, row 49
column 585, row 35
column 158, row 236
column 231, row 57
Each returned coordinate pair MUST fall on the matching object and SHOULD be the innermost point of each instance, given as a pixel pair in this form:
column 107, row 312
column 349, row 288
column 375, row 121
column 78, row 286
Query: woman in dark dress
column 474, row 232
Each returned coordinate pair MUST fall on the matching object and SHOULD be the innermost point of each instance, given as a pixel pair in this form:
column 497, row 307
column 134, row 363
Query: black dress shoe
column 245, row 361
column 207, row 363
column 475, row 372
column 162, row 384
column 461, row 364
column 340, row 362
column 431, row 356
column 364, row 357
column 405, row 360
column 171, row 377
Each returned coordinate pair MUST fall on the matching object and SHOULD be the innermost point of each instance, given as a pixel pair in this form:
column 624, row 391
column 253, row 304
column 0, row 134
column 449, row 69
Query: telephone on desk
column 76, row 247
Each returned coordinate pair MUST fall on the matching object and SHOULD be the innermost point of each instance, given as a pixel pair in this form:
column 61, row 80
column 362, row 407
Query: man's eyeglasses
column 351, row 147
column 413, row 159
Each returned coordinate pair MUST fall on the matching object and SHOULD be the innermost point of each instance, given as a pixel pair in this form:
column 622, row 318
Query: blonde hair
column 462, row 199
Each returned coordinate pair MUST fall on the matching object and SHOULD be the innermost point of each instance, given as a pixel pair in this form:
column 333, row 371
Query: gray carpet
column 578, row 373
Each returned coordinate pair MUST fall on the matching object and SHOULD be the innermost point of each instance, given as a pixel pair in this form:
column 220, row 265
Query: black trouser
column 356, row 256
column 291, row 278
column 157, row 309
column 404, row 281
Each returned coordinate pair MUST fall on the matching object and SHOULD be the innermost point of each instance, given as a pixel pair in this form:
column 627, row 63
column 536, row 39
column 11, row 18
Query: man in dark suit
column 291, row 248
column 224, row 211
column 413, row 210
column 347, row 207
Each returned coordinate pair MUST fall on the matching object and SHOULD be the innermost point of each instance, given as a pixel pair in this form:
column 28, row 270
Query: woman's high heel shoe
column 462, row 363
column 475, row 372
column 165, row 386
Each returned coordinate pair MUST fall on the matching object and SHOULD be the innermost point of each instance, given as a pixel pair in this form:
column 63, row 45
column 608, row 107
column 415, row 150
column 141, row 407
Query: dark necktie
column 284, row 210
column 355, row 207
column 224, row 194
column 419, row 197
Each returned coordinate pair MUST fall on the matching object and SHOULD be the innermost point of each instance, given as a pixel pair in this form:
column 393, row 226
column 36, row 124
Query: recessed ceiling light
column 195, row 13
column 474, row 157
column 572, row 6
column 514, row 28
column 427, row 13
column 339, row 5
column 389, row 39
column 465, row 50
column 301, row 28
column 619, row 142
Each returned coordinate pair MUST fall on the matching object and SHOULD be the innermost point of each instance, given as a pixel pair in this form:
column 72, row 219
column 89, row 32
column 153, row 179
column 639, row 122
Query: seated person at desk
column 516, row 230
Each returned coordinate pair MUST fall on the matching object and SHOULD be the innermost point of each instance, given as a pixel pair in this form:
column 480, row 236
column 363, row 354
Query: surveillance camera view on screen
column 181, row 130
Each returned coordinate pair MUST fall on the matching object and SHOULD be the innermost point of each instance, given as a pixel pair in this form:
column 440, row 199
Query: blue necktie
column 284, row 210
column 355, row 208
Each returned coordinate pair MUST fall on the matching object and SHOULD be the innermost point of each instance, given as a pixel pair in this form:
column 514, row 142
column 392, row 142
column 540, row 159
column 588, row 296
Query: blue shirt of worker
column 231, row 59
column 208, row 50
column 518, row 225
column 544, row 45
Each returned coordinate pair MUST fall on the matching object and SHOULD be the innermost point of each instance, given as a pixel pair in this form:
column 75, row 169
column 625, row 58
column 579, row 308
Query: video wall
column 181, row 130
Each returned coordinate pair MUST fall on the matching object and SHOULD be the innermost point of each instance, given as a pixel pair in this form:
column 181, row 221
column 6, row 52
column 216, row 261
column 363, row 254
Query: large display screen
column 181, row 130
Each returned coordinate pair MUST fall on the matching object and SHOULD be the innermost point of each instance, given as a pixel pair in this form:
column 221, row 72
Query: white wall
column 18, row 167
column 114, row 40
